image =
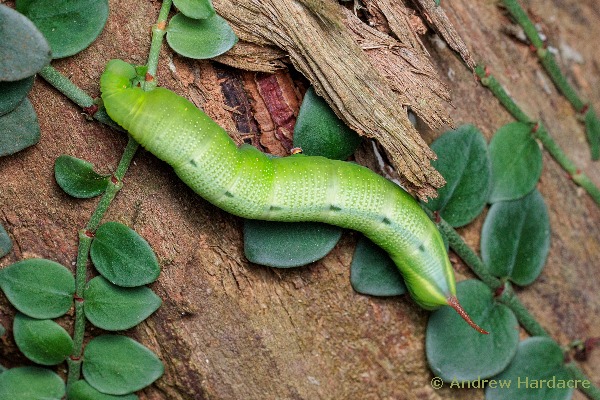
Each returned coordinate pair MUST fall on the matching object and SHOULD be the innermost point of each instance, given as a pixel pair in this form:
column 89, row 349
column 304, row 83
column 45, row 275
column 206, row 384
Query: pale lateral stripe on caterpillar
column 245, row 182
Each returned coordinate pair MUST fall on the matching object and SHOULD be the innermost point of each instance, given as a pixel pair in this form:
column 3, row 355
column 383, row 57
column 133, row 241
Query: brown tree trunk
column 232, row 330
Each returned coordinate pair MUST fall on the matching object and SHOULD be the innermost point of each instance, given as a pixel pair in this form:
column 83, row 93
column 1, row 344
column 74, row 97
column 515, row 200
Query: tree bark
column 229, row 329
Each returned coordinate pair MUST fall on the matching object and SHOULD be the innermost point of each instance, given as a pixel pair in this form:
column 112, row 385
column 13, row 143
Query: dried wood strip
column 397, row 17
column 442, row 25
column 408, row 71
column 253, row 57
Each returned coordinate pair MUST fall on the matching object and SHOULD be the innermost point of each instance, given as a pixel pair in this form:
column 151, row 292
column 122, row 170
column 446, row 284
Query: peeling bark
column 436, row 16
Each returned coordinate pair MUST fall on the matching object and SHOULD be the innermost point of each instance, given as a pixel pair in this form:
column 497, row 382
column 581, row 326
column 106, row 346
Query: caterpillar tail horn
column 453, row 302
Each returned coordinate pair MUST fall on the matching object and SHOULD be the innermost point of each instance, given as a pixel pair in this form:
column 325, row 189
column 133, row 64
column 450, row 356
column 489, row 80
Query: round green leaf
column 81, row 390
column 69, row 25
column 78, row 178
column 319, row 132
column 12, row 93
column 114, row 308
column 5, row 242
column 516, row 161
column 515, row 238
column 200, row 38
column 43, row 341
column 536, row 373
column 457, row 352
column 464, row 162
column 373, row 272
column 288, row 244
column 197, row 9
column 23, row 49
column 38, row 288
column 119, row 365
column 123, row 257
column 19, row 129
column 27, row 383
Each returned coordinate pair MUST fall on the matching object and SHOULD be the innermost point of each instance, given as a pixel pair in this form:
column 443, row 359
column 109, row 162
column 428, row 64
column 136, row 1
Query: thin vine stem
column 591, row 391
column 549, row 63
column 525, row 318
column 82, row 99
column 463, row 250
column 85, row 240
column 546, row 58
column 77, row 96
column 539, row 132
column 158, row 33
column 575, row 173
column 488, row 80
column 66, row 87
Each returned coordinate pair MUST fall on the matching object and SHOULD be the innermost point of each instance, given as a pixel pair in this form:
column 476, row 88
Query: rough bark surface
column 232, row 330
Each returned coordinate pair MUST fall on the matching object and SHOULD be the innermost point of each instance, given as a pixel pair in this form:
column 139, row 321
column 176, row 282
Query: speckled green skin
column 245, row 182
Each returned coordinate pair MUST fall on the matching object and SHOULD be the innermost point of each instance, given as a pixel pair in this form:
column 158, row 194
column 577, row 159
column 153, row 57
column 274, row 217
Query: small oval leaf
column 5, row 242
column 43, row 341
column 536, row 373
column 81, row 390
column 464, row 162
column 200, row 38
column 122, row 256
column 197, row 9
column 373, row 272
column 516, row 161
column 78, row 178
column 455, row 351
column 515, row 238
column 20, row 129
column 119, row 365
column 114, row 308
column 319, row 131
column 12, row 93
column 23, row 48
column 27, row 383
column 288, row 244
column 38, row 288
column 69, row 25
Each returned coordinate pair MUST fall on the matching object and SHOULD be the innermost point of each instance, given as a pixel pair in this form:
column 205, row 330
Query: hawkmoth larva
column 247, row 183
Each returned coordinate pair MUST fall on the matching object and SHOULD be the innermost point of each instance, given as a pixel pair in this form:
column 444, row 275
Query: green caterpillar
column 245, row 182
